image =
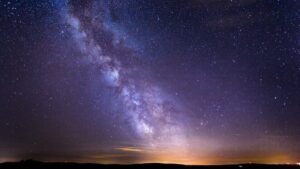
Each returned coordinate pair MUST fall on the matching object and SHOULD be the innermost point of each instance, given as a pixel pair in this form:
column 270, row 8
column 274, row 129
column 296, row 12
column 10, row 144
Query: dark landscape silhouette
column 47, row 165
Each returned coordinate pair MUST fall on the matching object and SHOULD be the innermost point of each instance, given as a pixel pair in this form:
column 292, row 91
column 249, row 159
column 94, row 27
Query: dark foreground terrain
column 43, row 165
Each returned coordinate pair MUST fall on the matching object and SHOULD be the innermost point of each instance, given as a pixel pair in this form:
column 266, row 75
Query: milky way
column 150, row 112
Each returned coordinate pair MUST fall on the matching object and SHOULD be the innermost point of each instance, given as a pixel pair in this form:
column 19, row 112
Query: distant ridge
column 49, row 165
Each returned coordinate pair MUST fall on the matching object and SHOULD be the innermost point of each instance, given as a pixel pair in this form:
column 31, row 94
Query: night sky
column 136, row 81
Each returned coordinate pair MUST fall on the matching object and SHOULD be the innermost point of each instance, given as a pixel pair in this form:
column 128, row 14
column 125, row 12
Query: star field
column 192, row 82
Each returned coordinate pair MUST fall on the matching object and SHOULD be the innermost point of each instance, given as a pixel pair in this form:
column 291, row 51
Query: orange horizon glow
column 112, row 159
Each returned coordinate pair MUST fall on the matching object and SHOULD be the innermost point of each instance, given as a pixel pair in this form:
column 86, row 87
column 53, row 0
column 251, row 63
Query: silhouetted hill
column 43, row 165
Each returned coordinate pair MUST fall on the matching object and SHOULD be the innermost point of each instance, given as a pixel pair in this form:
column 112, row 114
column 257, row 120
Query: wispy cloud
column 129, row 149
